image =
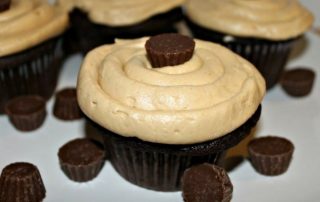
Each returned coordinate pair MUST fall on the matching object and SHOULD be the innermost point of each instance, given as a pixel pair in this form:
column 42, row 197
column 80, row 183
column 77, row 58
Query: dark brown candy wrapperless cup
column 169, row 49
column 270, row 155
column 66, row 105
column 81, row 159
column 298, row 82
column 206, row 183
column 21, row 182
column 26, row 113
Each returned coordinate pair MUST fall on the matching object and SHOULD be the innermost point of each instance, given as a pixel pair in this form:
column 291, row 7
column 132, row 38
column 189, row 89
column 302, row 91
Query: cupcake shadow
column 238, row 154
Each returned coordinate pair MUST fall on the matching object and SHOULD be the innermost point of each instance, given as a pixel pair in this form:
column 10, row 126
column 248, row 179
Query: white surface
column 296, row 119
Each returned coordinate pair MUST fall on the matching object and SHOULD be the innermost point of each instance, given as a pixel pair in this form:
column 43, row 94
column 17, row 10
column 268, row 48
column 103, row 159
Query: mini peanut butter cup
column 21, row 182
column 81, row 159
column 66, row 105
column 4, row 5
column 298, row 82
column 26, row 113
column 270, row 155
column 169, row 49
column 206, row 183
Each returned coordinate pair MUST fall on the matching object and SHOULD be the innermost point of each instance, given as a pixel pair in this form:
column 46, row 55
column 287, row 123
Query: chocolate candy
column 66, row 106
column 169, row 49
column 21, row 182
column 298, row 82
column 206, row 183
column 26, row 113
column 4, row 5
column 81, row 159
column 270, row 155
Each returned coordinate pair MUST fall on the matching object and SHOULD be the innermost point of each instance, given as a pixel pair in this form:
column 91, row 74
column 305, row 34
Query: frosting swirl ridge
column 121, row 12
column 29, row 23
column 268, row 19
column 210, row 95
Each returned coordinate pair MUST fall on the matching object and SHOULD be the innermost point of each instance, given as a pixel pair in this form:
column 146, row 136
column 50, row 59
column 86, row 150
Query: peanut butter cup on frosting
column 97, row 22
column 261, row 31
column 30, row 49
column 164, row 120
column 169, row 49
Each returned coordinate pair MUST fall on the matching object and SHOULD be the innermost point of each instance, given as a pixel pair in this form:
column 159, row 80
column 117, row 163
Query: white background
column 298, row 119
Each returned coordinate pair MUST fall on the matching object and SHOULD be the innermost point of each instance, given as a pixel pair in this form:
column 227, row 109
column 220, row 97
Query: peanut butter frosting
column 267, row 19
column 207, row 97
column 120, row 12
column 28, row 23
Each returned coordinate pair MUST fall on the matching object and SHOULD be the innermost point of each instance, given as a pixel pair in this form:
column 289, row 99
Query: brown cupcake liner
column 66, row 105
column 15, row 186
column 160, row 166
column 96, row 34
column 27, row 121
column 269, row 57
column 82, row 173
column 33, row 71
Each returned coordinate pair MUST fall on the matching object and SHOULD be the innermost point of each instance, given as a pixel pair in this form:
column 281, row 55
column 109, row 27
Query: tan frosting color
column 269, row 19
column 28, row 23
column 121, row 12
column 205, row 98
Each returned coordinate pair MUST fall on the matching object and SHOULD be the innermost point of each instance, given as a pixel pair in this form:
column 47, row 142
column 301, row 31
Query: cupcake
column 97, row 22
column 159, row 121
column 263, row 32
column 30, row 48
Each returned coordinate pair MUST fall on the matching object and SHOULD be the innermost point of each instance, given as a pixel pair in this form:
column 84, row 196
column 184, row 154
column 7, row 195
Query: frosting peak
column 269, row 19
column 212, row 94
column 28, row 23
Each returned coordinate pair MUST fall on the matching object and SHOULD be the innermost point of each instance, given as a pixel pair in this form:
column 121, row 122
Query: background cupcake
column 99, row 22
column 261, row 31
column 30, row 48
column 164, row 120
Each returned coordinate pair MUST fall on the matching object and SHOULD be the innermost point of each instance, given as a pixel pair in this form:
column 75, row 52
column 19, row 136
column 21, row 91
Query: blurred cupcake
column 97, row 22
column 261, row 31
column 159, row 120
column 30, row 48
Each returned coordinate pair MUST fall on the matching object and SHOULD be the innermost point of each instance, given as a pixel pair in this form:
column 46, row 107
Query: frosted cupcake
column 159, row 121
column 99, row 22
column 30, row 48
column 261, row 31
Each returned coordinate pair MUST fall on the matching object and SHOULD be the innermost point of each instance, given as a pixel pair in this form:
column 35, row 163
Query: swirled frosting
column 121, row 12
column 268, row 19
column 205, row 98
column 28, row 23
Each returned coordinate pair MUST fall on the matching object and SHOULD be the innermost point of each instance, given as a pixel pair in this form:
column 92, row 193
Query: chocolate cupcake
column 81, row 159
column 206, row 183
column 30, row 53
column 157, row 122
column 270, row 155
column 100, row 22
column 21, row 182
column 66, row 105
column 263, row 32
column 26, row 113
column 298, row 82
